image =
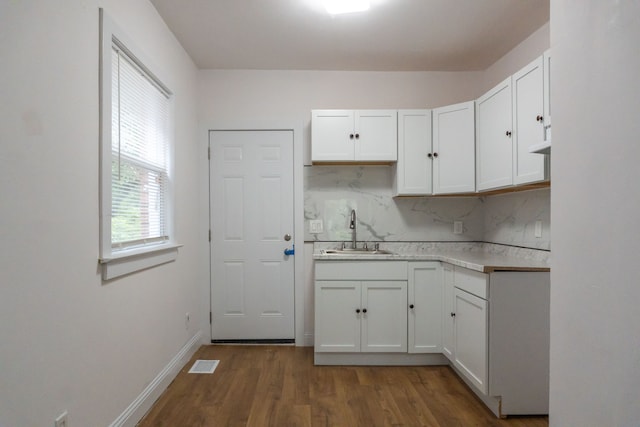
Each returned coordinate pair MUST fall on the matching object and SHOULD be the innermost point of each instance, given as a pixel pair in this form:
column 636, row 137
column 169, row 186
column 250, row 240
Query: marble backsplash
column 331, row 192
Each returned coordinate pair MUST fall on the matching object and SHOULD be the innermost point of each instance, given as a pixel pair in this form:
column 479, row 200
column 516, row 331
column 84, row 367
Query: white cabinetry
column 547, row 88
column 494, row 148
column 448, row 312
column 454, row 149
column 497, row 336
column 354, row 135
column 413, row 172
column 368, row 315
column 438, row 160
column 470, row 326
column 425, row 307
column 528, row 123
column 509, row 120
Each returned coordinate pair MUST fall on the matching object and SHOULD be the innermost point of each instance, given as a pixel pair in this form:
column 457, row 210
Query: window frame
column 116, row 263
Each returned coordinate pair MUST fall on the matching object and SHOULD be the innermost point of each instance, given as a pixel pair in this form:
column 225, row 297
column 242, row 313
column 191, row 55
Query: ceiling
column 394, row 35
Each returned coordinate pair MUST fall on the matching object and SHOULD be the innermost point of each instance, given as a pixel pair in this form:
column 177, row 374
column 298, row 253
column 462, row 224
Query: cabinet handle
column 411, row 306
column 539, row 118
column 357, row 310
column 508, row 133
column 350, row 136
column 435, row 155
column 429, row 155
column 364, row 310
column 357, row 136
column 453, row 314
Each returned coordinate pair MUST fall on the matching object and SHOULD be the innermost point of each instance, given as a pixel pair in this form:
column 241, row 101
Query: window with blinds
column 140, row 109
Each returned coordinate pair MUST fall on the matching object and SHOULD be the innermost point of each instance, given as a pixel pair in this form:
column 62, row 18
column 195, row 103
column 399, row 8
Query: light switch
column 538, row 229
column 315, row 226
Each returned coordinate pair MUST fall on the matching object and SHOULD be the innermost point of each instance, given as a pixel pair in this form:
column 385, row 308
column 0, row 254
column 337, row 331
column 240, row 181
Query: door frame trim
column 298, row 214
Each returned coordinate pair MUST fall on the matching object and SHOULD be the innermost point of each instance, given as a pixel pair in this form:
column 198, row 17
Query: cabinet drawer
column 361, row 270
column 474, row 282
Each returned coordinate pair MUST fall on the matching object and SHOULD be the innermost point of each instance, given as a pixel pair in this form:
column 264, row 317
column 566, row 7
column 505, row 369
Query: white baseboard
column 139, row 407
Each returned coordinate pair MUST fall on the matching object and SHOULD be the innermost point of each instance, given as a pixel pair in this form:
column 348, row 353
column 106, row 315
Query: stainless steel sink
column 356, row 252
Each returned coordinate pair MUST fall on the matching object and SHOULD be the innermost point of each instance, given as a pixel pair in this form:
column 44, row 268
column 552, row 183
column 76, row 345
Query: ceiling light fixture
column 337, row 7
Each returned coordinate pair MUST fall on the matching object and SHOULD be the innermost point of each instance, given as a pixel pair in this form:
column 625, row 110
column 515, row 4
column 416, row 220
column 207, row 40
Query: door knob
column 287, row 237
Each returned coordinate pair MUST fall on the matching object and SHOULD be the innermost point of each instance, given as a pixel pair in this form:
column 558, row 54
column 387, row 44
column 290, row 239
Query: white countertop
column 481, row 257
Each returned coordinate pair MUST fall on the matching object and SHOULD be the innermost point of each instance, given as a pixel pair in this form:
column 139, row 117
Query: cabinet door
column 384, row 316
column 528, row 125
column 376, row 135
column 470, row 337
column 454, row 164
column 425, row 307
column 337, row 324
column 494, row 147
column 414, row 167
column 448, row 317
column 332, row 135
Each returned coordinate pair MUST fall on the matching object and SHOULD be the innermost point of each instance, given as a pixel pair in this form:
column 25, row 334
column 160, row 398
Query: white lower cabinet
column 425, row 307
column 470, row 337
column 368, row 315
column 447, row 311
column 492, row 327
column 496, row 335
column 361, row 316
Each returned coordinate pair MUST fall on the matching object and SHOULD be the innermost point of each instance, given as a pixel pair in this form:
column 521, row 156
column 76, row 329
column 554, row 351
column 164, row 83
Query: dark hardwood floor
column 280, row 386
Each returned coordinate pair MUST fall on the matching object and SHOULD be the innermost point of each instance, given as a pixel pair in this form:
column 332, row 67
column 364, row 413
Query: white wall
column 253, row 97
column 69, row 341
column 595, row 206
column 518, row 57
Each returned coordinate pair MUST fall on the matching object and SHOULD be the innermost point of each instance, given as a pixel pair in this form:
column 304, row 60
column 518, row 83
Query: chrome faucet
column 352, row 225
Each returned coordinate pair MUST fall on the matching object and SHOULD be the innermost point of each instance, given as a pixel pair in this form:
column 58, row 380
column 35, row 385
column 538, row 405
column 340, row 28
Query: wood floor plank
column 279, row 386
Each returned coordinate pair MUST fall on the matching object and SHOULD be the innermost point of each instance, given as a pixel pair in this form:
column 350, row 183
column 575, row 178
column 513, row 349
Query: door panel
column 337, row 326
column 384, row 325
column 251, row 209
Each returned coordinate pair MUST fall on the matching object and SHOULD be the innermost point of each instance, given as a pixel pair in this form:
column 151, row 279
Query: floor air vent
column 204, row 367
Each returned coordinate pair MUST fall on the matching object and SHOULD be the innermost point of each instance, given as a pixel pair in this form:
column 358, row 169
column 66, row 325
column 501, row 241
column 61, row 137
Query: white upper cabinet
column 510, row 118
column 354, row 136
column 436, row 151
column 528, row 123
column 454, row 149
column 414, row 168
column 494, row 147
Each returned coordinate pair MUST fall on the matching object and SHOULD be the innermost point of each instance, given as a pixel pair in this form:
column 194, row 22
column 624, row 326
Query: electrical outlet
column 61, row 421
column 457, row 227
column 538, row 229
column 315, row 226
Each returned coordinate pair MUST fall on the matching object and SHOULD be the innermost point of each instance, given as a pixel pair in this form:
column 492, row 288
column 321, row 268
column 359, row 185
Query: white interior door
column 251, row 213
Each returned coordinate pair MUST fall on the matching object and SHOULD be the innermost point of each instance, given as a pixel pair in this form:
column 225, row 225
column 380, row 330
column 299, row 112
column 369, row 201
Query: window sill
column 128, row 262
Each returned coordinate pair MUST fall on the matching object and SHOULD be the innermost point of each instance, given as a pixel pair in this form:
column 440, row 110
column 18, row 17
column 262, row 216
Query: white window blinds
column 139, row 150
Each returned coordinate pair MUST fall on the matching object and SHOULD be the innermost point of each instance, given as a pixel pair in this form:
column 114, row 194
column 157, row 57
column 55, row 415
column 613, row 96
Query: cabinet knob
column 357, row 310
column 364, row 310
column 411, row 306
column 435, row 155
column 429, row 155
column 350, row 136
column 357, row 136
column 539, row 118
column 508, row 133
column 453, row 314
